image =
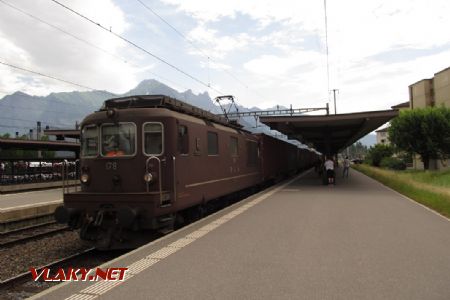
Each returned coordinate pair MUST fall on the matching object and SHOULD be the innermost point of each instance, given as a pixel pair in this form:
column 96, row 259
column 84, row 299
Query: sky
column 265, row 53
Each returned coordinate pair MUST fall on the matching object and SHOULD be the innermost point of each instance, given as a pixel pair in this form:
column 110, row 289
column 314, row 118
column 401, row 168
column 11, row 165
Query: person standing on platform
column 346, row 167
column 329, row 169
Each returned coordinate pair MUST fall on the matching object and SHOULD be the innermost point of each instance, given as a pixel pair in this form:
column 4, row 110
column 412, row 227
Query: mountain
column 369, row 140
column 20, row 112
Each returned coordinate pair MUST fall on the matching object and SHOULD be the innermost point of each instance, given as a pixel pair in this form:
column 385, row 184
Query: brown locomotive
column 148, row 162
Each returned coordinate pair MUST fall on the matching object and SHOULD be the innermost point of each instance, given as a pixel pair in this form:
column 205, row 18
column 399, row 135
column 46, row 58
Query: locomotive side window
column 183, row 139
column 118, row 139
column 252, row 153
column 153, row 138
column 213, row 143
column 89, row 141
column 233, row 146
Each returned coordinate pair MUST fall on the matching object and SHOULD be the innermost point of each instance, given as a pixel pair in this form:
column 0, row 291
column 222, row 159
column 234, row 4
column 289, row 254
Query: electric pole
column 334, row 97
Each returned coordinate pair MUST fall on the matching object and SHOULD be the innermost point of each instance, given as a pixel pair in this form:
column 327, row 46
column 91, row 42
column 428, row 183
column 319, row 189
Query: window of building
column 153, row 138
column 183, row 139
column 213, row 143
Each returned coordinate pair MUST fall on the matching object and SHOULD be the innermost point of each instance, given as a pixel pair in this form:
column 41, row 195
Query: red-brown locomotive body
column 148, row 162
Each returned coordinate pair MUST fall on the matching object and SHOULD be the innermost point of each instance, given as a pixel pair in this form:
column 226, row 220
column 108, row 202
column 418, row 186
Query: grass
column 435, row 178
column 430, row 188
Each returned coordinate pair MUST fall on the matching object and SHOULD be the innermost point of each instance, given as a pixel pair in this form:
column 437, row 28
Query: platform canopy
column 329, row 134
column 38, row 145
column 63, row 133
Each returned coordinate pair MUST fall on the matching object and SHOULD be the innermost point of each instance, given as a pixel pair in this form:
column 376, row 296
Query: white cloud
column 36, row 46
column 277, row 48
column 210, row 43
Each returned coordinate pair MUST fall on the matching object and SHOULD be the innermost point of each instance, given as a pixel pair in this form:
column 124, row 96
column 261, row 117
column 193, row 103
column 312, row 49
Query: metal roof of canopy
column 329, row 134
column 63, row 133
column 38, row 145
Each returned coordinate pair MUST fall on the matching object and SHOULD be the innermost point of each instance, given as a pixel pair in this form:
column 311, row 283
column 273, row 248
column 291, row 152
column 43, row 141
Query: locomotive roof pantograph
column 162, row 101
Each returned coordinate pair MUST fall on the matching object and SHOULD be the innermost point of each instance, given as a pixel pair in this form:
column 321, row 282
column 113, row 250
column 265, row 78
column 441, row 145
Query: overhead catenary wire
column 45, row 75
column 85, row 41
column 138, row 47
column 206, row 55
column 326, row 48
column 35, row 121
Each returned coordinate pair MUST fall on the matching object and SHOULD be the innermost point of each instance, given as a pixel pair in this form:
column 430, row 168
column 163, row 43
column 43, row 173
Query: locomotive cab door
column 159, row 162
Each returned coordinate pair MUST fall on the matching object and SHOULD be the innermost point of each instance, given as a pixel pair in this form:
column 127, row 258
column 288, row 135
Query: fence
column 20, row 171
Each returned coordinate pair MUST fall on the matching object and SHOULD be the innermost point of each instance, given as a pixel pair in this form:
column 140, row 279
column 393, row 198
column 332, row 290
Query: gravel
column 19, row 258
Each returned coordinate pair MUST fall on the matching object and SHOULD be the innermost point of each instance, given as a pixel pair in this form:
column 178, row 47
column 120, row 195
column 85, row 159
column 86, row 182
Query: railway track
column 23, row 286
column 23, row 235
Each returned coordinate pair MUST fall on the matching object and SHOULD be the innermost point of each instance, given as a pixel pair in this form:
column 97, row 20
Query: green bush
column 392, row 163
column 377, row 153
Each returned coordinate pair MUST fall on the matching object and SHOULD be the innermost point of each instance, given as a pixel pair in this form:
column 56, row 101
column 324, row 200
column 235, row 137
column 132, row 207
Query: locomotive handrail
column 64, row 175
column 77, row 174
column 159, row 175
column 62, row 178
column 174, row 180
column 65, row 172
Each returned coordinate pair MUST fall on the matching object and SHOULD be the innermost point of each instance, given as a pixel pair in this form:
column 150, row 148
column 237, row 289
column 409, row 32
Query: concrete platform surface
column 355, row 240
column 30, row 198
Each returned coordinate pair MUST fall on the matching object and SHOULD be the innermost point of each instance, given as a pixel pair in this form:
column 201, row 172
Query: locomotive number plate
column 111, row 166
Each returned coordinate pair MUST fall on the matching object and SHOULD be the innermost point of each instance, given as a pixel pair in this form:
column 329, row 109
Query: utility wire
column 14, row 127
column 85, row 41
column 44, row 75
column 326, row 47
column 137, row 46
column 191, row 42
column 21, row 107
column 31, row 121
column 61, row 30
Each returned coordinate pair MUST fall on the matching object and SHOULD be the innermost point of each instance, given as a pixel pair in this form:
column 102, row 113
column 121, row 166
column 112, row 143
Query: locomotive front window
column 89, row 141
column 153, row 138
column 118, row 139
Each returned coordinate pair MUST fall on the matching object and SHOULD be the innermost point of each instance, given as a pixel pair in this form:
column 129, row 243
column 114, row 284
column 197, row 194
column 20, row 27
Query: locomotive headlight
column 84, row 178
column 148, row 177
column 110, row 113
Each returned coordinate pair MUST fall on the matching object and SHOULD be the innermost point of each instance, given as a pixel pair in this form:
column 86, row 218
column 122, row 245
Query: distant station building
column 432, row 92
column 382, row 134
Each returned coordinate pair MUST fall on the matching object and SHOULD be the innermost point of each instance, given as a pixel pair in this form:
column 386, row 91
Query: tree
column 424, row 131
column 356, row 150
column 378, row 152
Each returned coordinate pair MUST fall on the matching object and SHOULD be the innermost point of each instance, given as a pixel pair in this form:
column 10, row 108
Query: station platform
column 17, row 188
column 297, row 240
column 24, row 209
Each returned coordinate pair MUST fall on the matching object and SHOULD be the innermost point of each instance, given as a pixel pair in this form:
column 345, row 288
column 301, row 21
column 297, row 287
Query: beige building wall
column 421, row 94
column 382, row 137
column 431, row 92
column 441, row 85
